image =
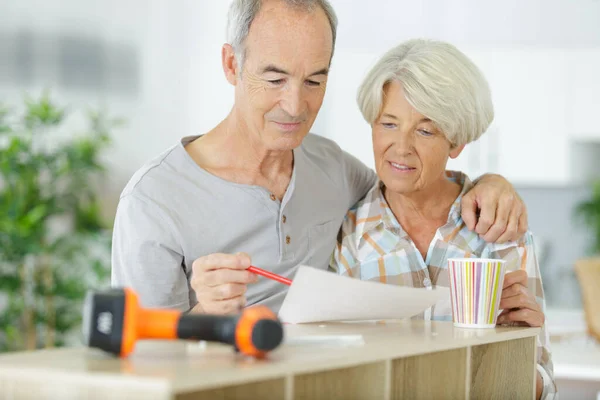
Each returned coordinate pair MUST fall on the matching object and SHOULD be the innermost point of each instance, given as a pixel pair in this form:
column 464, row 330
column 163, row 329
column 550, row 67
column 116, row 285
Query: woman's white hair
column 439, row 81
column 242, row 13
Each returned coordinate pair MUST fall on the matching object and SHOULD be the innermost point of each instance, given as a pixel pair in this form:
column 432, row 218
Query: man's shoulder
column 327, row 153
column 157, row 175
column 339, row 166
column 317, row 146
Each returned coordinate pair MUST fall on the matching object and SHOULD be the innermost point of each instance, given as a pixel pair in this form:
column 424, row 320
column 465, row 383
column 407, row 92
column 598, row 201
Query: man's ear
column 229, row 62
column 455, row 151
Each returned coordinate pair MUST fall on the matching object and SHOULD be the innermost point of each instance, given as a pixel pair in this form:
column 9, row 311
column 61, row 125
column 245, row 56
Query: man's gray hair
column 439, row 81
column 243, row 12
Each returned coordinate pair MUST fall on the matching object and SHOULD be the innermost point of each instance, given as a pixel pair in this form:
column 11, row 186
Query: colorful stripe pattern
column 475, row 290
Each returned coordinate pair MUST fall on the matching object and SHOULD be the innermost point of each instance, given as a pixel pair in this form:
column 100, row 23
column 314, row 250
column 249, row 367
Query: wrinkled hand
column 517, row 303
column 219, row 281
column 502, row 213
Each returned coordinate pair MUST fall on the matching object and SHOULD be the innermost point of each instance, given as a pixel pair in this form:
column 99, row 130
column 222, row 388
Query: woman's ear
column 455, row 151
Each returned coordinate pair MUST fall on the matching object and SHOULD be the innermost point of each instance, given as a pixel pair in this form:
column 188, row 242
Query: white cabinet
column 584, row 95
column 528, row 140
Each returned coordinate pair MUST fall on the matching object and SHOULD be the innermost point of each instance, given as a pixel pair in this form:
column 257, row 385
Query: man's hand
column 219, row 281
column 518, row 305
column 502, row 214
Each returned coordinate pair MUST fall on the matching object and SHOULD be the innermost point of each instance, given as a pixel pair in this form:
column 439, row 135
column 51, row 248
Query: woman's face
column 410, row 151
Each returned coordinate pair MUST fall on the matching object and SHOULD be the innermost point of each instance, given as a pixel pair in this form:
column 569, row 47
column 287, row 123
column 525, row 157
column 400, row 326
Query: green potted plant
column 54, row 245
column 589, row 213
column 588, row 269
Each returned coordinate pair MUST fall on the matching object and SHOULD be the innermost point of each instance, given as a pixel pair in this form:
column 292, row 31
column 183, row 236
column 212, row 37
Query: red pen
column 270, row 275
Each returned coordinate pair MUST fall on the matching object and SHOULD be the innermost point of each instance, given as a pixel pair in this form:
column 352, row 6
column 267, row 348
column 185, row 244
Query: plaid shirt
column 373, row 246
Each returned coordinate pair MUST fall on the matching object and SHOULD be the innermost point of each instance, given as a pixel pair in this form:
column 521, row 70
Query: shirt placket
column 284, row 224
column 429, row 312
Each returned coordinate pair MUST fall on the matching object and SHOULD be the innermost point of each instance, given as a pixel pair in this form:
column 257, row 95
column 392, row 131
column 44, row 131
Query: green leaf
column 70, row 288
column 37, row 214
column 87, row 217
column 10, row 320
column 4, row 123
column 43, row 112
column 588, row 212
column 101, row 270
column 14, row 338
column 67, row 319
column 10, row 283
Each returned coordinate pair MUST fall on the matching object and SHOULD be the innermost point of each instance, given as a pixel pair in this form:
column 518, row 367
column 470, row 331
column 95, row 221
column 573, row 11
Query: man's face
column 284, row 74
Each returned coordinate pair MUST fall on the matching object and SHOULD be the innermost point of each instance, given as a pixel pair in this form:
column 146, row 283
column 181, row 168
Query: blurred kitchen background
column 156, row 63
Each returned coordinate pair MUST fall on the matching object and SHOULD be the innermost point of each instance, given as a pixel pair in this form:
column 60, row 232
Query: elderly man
column 258, row 188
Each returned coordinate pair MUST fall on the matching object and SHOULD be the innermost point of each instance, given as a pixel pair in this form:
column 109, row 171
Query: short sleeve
column 146, row 255
column 359, row 178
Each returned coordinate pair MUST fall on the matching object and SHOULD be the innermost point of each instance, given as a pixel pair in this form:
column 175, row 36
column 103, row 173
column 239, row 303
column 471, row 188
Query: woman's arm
column 523, row 303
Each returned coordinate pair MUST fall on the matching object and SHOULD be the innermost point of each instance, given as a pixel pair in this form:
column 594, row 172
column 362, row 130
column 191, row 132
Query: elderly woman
column 425, row 101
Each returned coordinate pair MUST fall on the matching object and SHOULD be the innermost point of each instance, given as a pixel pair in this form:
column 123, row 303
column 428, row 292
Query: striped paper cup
column 475, row 291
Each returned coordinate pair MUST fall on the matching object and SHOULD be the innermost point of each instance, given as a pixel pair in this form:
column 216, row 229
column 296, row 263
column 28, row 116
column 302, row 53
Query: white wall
column 157, row 31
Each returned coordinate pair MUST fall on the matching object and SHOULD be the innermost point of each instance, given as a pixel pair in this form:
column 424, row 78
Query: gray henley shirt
column 172, row 212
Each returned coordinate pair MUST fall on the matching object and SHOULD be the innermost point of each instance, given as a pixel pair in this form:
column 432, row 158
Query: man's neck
column 230, row 152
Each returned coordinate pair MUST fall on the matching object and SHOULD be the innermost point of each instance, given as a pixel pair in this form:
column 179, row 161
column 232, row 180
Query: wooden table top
column 182, row 366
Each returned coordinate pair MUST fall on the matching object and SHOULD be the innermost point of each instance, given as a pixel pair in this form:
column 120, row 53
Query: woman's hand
column 518, row 305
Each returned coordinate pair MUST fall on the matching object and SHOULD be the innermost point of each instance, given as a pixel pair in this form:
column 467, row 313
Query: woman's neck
column 433, row 202
column 421, row 213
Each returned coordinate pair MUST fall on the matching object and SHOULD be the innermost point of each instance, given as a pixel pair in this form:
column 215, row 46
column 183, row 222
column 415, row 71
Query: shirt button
column 288, row 240
column 283, row 219
column 273, row 197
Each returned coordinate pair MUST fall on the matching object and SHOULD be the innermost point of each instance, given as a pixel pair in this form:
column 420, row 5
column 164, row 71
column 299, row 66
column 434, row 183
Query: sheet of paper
column 326, row 340
column 317, row 296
